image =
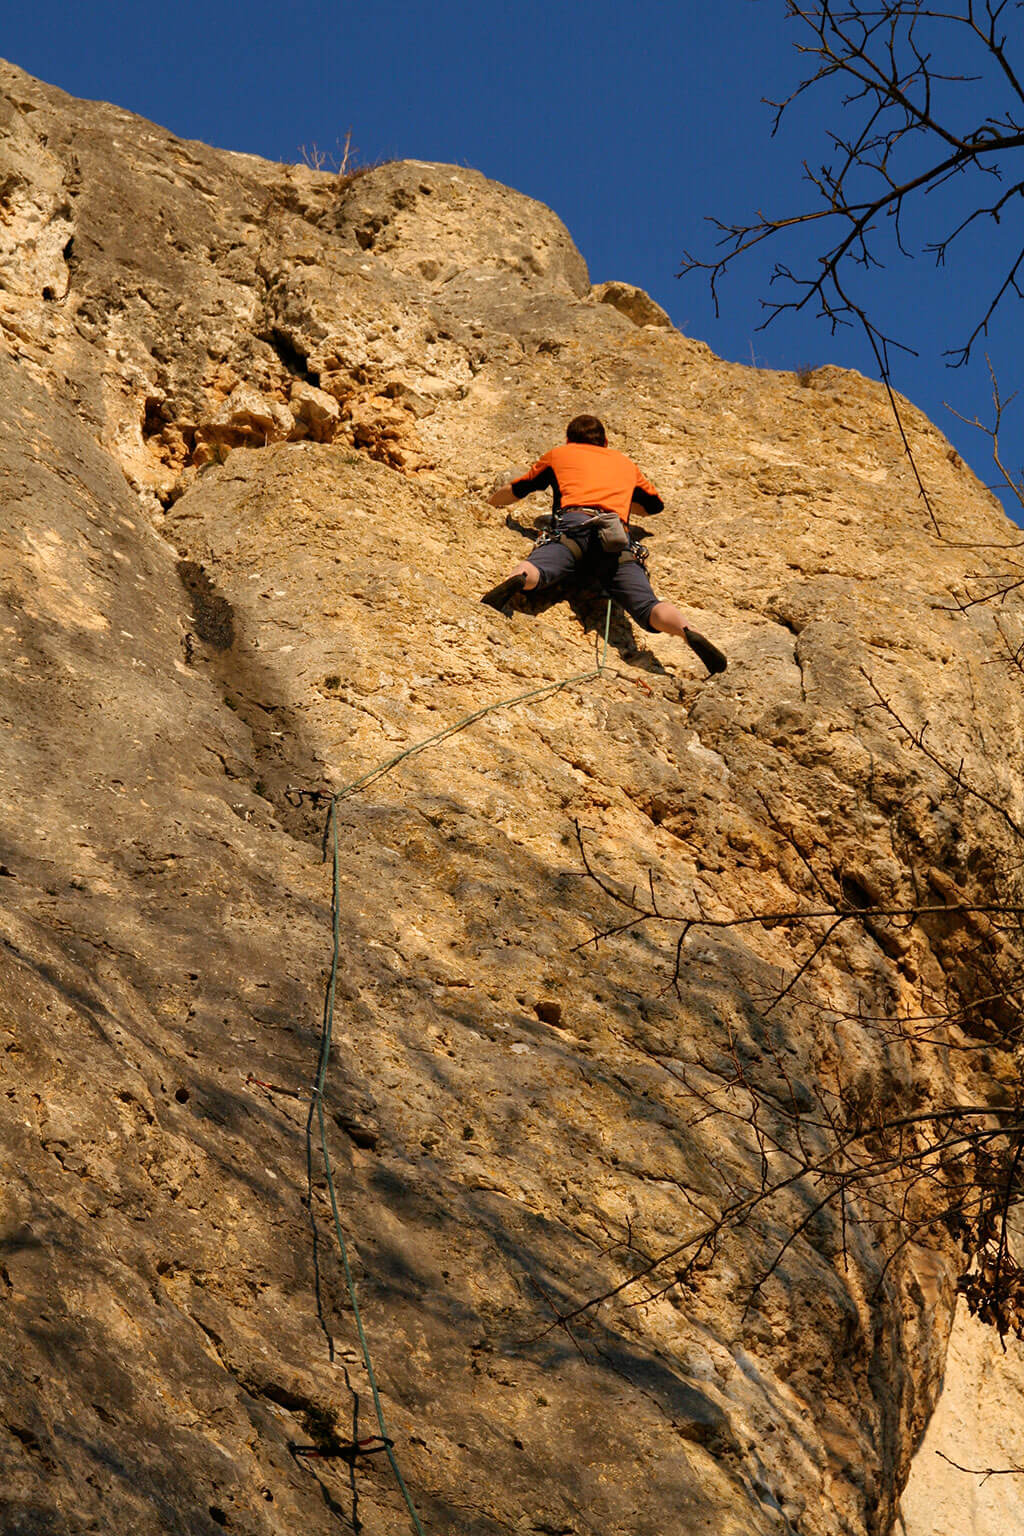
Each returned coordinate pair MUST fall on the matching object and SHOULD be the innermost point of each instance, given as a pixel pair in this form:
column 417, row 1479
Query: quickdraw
column 370, row 1445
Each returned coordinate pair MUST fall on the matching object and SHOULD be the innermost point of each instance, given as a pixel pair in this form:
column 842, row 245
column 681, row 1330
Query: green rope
column 318, row 1092
column 548, row 690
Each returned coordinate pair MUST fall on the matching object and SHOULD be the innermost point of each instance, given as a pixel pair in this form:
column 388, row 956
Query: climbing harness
column 316, row 1102
column 637, row 552
column 611, row 533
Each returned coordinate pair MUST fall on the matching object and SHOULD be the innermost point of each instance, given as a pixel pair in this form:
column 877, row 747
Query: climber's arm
column 538, row 477
column 645, row 498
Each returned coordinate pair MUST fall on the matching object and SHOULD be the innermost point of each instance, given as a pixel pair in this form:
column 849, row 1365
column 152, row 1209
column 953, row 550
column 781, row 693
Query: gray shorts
column 624, row 580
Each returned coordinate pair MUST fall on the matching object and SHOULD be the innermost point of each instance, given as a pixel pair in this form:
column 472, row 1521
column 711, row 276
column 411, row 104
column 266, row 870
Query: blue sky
column 634, row 123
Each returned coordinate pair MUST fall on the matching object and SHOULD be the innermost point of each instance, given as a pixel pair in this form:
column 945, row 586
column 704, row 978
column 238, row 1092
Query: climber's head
column 586, row 429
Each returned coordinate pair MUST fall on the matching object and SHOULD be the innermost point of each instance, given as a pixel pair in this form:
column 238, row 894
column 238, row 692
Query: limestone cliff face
column 247, row 413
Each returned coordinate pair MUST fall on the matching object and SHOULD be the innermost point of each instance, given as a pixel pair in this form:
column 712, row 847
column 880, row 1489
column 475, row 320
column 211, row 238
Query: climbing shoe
column 709, row 654
column 498, row 596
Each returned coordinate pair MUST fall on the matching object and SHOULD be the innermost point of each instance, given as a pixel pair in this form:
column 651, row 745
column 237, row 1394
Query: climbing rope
column 549, row 689
column 317, row 1099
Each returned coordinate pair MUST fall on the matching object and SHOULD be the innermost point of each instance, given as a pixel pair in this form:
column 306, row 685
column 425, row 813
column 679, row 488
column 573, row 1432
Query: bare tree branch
column 910, row 128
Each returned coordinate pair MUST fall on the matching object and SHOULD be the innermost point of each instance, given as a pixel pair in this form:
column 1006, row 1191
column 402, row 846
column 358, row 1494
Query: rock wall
column 250, row 414
column 966, row 1477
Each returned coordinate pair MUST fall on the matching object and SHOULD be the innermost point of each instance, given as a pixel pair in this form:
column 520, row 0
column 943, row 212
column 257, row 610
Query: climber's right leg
column 529, row 572
column 523, row 579
column 547, row 564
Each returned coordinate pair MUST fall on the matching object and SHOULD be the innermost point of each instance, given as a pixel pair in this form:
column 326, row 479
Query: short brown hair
column 586, row 429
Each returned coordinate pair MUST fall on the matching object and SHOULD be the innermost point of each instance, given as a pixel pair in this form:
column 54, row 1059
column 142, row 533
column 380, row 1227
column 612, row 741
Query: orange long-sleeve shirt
column 584, row 475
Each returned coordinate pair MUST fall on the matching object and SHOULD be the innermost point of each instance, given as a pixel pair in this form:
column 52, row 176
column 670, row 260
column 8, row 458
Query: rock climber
column 595, row 488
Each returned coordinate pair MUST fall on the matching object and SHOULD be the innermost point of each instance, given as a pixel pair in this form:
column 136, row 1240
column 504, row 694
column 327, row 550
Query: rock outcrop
column 966, row 1476
column 248, row 416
